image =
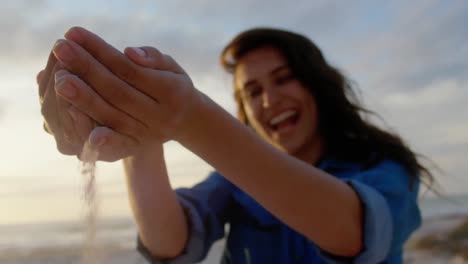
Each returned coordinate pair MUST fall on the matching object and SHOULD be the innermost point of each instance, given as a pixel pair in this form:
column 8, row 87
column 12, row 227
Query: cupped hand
column 59, row 116
column 142, row 97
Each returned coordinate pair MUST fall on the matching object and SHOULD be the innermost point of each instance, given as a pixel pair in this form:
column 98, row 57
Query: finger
column 84, row 98
column 66, row 121
column 49, row 104
column 160, row 74
column 166, row 75
column 112, row 89
column 47, row 74
column 52, row 118
column 49, row 109
column 82, row 123
column 109, row 56
column 152, row 58
column 39, row 76
column 128, row 70
column 111, row 145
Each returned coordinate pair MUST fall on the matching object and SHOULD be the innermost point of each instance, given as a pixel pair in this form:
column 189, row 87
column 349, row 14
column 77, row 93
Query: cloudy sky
column 409, row 59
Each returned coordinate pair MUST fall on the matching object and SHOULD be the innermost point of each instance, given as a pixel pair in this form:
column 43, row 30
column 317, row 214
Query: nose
column 269, row 97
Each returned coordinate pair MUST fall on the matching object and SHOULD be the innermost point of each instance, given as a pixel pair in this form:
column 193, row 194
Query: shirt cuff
column 377, row 228
column 194, row 248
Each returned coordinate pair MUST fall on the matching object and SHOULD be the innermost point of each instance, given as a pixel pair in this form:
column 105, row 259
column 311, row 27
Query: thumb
column 152, row 58
column 111, row 145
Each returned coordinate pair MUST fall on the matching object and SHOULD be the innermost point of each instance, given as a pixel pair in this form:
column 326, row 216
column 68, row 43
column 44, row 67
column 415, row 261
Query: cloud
column 426, row 42
column 410, row 58
column 195, row 32
column 437, row 94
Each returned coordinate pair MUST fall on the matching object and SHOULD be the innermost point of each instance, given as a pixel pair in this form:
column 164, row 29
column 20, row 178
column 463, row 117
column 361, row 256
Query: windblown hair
column 343, row 120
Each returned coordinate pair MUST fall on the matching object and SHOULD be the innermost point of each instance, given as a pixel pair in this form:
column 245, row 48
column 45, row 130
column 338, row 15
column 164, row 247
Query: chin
column 290, row 149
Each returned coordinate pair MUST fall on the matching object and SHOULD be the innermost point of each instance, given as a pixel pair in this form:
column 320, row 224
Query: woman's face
column 277, row 105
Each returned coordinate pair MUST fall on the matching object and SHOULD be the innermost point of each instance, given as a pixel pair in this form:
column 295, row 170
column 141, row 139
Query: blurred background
column 409, row 59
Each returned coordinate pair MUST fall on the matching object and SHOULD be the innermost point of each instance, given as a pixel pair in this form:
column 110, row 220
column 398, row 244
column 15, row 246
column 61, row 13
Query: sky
column 408, row 59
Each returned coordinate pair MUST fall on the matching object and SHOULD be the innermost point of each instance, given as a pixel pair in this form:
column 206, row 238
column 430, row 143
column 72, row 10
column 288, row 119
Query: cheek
column 252, row 112
column 253, row 120
column 253, row 117
column 314, row 117
column 312, row 109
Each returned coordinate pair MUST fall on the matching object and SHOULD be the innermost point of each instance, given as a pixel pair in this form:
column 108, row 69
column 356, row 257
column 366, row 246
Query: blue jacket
column 391, row 214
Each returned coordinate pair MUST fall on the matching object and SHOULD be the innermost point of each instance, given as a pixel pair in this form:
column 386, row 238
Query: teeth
column 281, row 117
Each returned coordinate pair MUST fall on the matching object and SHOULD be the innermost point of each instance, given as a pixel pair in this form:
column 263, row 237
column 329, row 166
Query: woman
column 320, row 185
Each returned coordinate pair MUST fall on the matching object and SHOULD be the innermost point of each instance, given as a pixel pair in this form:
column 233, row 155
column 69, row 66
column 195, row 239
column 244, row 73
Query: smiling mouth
column 284, row 122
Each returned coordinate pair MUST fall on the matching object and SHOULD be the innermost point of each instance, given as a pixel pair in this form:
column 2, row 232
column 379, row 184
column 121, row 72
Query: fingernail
column 97, row 141
column 59, row 74
column 65, row 89
column 63, row 51
column 75, row 35
column 139, row 51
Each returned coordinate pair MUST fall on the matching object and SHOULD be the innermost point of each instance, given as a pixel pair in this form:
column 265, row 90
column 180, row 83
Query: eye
column 285, row 78
column 253, row 92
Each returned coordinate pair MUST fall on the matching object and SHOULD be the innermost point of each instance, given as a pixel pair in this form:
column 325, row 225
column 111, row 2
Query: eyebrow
column 272, row 73
column 279, row 68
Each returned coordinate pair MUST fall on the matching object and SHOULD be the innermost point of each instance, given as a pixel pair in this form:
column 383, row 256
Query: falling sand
column 90, row 196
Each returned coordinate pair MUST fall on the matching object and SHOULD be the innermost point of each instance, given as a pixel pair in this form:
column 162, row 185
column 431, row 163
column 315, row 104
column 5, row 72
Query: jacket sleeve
column 206, row 206
column 391, row 213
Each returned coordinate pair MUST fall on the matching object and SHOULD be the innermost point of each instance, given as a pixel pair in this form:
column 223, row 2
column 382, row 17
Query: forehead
column 258, row 63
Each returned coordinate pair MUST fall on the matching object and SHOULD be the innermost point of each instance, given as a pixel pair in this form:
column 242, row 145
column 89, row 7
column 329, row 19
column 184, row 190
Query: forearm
column 158, row 214
column 316, row 204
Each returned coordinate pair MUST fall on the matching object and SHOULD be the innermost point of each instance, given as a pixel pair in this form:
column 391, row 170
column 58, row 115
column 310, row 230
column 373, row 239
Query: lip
column 276, row 113
column 287, row 131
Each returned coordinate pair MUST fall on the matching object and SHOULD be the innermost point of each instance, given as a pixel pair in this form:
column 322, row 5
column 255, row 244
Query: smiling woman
column 414, row 74
column 311, row 178
column 277, row 105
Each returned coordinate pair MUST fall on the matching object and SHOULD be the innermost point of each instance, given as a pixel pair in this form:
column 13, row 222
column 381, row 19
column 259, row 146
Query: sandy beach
column 443, row 239
column 417, row 252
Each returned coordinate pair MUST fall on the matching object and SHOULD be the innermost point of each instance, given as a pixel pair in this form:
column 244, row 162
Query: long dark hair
column 343, row 121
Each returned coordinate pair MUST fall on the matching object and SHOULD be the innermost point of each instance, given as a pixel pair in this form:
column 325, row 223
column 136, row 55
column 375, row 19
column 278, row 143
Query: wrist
column 194, row 119
column 147, row 152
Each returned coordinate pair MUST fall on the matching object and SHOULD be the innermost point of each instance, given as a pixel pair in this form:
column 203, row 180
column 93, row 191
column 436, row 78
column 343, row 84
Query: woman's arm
column 314, row 203
column 157, row 212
